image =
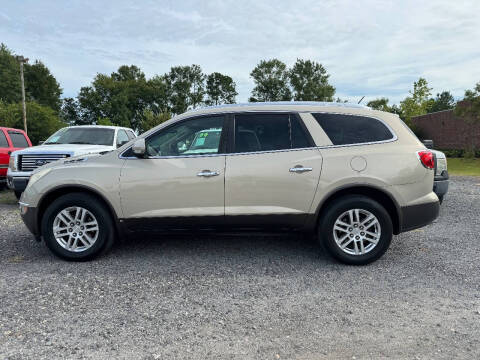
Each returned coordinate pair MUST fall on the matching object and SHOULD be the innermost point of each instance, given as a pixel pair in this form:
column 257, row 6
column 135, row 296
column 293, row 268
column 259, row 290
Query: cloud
column 372, row 48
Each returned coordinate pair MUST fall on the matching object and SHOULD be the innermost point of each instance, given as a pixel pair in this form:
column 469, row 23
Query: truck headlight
column 12, row 164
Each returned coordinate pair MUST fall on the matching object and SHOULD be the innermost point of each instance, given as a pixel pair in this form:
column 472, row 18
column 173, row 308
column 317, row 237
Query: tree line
column 128, row 98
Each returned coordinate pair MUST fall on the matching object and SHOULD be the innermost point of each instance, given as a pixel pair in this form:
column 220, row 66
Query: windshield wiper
column 80, row 142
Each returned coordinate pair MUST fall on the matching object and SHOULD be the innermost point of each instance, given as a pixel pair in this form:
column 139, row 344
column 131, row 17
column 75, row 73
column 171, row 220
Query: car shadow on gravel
column 295, row 246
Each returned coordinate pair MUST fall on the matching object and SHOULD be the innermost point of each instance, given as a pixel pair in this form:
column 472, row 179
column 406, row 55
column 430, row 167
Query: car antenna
column 361, row 99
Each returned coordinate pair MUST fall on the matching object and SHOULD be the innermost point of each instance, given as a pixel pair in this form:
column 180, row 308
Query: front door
column 180, row 183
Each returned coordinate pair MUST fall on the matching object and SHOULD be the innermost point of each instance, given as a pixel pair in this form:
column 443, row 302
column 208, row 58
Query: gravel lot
column 247, row 297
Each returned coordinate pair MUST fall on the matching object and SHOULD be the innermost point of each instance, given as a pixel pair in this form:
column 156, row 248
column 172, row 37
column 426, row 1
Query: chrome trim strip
column 4, row 166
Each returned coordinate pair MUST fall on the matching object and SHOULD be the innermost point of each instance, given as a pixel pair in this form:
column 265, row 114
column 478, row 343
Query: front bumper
column 29, row 217
column 17, row 183
column 417, row 216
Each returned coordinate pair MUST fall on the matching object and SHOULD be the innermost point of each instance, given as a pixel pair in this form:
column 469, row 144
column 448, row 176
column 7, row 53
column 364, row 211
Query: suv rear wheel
column 77, row 227
column 356, row 230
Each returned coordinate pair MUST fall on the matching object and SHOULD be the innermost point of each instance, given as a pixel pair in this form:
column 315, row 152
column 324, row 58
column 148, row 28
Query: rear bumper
column 29, row 217
column 417, row 216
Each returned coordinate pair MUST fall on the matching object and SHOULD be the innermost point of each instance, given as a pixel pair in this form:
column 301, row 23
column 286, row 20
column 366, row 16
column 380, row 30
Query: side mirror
column 41, row 142
column 138, row 148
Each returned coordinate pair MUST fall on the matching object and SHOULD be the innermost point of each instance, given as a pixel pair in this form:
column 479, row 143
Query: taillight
column 427, row 159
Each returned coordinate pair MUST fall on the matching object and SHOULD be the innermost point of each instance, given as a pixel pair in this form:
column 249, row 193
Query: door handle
column 300, row 169
column 207, row 173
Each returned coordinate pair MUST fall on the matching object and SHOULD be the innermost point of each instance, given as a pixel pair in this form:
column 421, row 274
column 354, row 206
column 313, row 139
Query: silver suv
column 349, row 174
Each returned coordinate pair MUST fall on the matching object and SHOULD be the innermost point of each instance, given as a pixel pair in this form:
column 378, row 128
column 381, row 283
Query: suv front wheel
column 77, row 227
column 356, row 230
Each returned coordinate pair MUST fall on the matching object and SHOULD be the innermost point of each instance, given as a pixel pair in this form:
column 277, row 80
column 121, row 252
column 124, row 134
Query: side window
column 3, row 140
column 191, row 137
column 130, row 134
column 262, row 132
column 352, row 129
column 300, row 139
column 18, row 139
column 122, row 138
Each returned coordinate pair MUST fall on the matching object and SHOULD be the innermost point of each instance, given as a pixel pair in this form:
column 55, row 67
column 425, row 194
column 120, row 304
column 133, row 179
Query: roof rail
column 291, row 103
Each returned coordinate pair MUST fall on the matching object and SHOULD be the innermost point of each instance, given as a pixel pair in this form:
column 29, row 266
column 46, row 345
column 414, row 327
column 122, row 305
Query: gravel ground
column 247, row 297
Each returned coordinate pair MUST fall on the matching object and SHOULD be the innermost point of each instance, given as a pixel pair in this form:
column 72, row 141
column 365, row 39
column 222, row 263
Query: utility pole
column 22, row 60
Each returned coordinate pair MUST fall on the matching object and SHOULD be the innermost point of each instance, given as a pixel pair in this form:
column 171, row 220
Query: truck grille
column 31, row 162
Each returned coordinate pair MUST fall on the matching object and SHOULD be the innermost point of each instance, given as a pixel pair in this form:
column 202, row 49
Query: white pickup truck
column 66, row 142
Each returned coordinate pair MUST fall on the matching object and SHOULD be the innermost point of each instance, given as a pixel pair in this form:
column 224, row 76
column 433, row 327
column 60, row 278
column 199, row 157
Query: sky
column 370, row 48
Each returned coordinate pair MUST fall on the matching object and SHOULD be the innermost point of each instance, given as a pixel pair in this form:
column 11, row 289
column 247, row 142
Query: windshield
column 79, row 135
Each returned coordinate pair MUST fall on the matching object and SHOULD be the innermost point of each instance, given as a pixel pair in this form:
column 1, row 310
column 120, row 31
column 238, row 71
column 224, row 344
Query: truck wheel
column 77, row 227
column 355, row 230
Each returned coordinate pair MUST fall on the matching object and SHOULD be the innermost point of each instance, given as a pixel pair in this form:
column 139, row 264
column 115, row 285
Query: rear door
column 272, row 175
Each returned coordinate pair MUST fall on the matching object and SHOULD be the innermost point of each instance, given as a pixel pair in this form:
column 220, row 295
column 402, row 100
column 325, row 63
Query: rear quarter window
column 345, row 129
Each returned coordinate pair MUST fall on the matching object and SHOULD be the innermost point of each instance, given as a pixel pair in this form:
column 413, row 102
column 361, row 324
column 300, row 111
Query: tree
column 10, row 91
column 44, row 120
column 186, row 87
column 121, row 97
column 151, row 119
column 70, row 112
column 309, row 81
column 470, row 106
column 379, row 104
column 417, row 103
column 443, row 101
column 197, row 90
column 220, row 89
column 161, row 93
column 469, row 110
column 271, row 81
column 40, row 85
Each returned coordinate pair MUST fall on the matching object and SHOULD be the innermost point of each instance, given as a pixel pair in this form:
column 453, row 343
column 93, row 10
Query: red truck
column 10, row 140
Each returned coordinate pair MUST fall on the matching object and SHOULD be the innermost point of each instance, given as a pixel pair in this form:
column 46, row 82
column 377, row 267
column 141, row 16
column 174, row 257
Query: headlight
column 12, row 164
column 37, row 176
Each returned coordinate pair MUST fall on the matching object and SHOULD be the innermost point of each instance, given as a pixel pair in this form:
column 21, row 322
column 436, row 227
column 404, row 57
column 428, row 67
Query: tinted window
column 190, row 137
column 262, row 132
column 82, row 135
column 3, row 140
column 18, row 139
column 122, row 138
column 300, row 138
column 351, row 129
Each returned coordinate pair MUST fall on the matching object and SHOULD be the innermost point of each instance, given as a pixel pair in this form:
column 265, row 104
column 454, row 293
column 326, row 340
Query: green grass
column 462, row 166
column 7, row 197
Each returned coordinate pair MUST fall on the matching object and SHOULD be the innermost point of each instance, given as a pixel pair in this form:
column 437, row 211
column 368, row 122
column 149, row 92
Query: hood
column 71, row 149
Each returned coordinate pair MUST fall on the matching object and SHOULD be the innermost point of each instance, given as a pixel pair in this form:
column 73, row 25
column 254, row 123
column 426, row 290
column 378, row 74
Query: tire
column 99, row 242
column 18, row 194
column 329, row 234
